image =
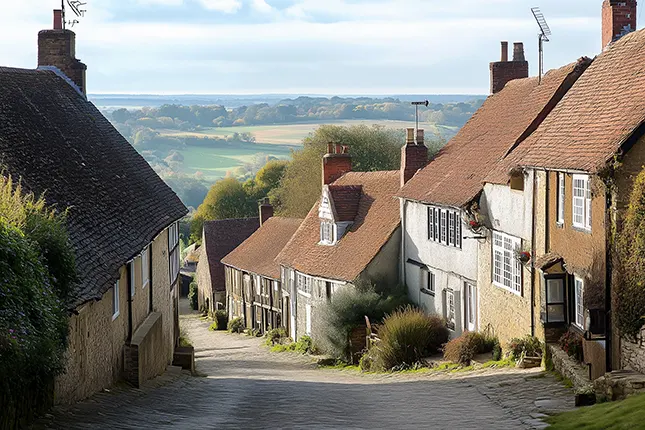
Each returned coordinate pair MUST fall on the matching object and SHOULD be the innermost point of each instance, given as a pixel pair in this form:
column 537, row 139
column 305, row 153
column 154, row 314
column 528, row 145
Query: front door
column 471, row 307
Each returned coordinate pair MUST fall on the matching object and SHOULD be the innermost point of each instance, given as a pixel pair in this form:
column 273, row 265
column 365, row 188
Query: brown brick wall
column 617, row 17
column 334, row 166
column 503, row 72
column 413, row 158
column 58, row 48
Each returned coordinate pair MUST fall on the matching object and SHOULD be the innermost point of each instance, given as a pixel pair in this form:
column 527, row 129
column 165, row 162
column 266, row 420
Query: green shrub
column 213, row 326
column 406, row 337
column 348, row 309
column 305, row 345
column 221, row 319
column 193, row 296
column 463, row 349
column 37, row 274
column 276, row 336
column 236, row 325
column 528, row 345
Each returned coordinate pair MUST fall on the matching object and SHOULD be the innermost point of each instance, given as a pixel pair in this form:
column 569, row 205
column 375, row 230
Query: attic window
column 327, row 233
column 517, row 181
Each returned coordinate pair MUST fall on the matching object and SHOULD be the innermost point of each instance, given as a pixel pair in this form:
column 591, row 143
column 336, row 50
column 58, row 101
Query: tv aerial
column 416, row 105
column 543, row 36
column 78, row 9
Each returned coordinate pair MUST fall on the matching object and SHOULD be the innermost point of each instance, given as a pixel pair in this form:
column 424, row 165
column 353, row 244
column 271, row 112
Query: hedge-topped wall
column 37, row 273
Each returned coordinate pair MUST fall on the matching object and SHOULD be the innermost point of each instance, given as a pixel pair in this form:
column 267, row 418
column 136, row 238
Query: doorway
column 471, row 306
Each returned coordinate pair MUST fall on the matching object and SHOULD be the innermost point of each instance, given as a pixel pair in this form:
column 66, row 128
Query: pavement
column 243, row 385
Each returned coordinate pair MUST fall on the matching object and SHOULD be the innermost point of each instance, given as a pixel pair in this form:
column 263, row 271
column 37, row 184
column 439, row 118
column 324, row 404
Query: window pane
column 458, row 230
column 555, row 313
column 555, row 290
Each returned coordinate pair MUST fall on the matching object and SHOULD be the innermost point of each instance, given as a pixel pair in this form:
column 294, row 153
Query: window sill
column 559, row 224
column 427, row 292
column 302, row 293
column 445, row 244
column 115, row 316
column 145, row 285
column 510, row 290
column 582, row 229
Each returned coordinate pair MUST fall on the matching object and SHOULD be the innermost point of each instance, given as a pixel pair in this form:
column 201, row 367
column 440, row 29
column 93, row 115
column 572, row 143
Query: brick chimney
column 335, row 163
column 57, row 48
column 618, row 19
column 266, row 210
column 504, row 71
column 414, row 155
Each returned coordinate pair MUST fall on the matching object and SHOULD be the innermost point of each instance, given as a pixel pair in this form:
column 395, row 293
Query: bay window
column 561, row 198
column 578, row 302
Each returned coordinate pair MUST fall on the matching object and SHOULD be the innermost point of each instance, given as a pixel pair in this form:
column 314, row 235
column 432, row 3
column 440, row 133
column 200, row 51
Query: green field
column 271, row 140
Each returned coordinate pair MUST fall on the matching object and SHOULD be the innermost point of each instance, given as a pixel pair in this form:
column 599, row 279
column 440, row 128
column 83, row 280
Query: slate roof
column 376, row 221
column 220, row 238
column 59, row 144
column 600, row 112
column 257, row 253
column 455, row 176
column 346, row 199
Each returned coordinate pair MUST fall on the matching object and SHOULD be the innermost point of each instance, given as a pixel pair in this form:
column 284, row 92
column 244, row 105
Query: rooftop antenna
column 543, row 36
column 416, row 105
column 77, row 8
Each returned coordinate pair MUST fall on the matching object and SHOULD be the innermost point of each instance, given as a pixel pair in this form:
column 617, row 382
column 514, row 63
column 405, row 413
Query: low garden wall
column 569, row 367
column 142, row 358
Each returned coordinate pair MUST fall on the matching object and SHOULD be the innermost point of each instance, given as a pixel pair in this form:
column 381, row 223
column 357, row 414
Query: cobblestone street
column 243, row 385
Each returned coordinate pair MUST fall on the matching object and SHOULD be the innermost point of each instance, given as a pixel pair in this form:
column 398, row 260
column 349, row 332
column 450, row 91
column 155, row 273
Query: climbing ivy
column 630, row 264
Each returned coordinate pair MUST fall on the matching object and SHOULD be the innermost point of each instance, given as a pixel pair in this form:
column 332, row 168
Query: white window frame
column 133, row 289
column 303, row 284
column 308, row 320
column 451, row 317
column 581, row 195
column 173, row 251
column 327, row 233
column 145, row 267
column 431, row 282
column 116, row 305
column 561, row 197
column 444, row 226
column 507, row 269
column 578, row 302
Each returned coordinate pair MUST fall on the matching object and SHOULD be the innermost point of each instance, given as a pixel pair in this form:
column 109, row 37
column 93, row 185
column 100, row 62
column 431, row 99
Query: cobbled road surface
column 242, row 385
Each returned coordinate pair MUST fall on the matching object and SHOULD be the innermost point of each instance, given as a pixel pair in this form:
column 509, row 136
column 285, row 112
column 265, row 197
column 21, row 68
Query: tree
column 372, row 148
column 226, row 199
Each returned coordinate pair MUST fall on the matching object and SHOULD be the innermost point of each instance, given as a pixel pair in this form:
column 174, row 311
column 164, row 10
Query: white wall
column 510, row 211
column 452, row 266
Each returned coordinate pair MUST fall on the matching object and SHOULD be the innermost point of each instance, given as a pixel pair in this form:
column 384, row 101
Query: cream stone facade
column 99, row 337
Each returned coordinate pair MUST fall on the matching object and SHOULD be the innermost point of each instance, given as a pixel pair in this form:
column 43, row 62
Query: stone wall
column 142, row 358
column 95, row 351
column 633, row 353
column 203, row 277
column 568, row 367
column 164, row 298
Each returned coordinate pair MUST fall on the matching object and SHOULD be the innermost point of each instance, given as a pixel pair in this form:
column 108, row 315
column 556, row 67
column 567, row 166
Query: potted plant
column 523, row 256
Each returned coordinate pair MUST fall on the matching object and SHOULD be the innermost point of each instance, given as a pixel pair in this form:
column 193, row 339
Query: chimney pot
column 504, row 52
column 345, row 149
column 58, row 19
column 330, row 148
column 518, row 52
column 338, row 149
column 420, row 136
column 409, row 138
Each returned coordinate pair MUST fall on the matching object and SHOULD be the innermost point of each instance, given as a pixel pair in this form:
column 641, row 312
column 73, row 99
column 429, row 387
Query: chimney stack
column 266, row 210
column 618, row 19
column 504, row 71
column 57, row 48
column 414, row 155
column 335, row 163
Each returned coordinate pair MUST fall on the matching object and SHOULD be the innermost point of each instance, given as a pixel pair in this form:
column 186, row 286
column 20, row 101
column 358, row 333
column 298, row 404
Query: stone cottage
column 122, row 219
column 253, row 284
column 351, row 233
column 588, row 152
column 218, row 239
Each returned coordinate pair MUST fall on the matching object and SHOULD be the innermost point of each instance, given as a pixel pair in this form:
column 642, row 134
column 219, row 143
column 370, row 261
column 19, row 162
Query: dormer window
column 327, row 233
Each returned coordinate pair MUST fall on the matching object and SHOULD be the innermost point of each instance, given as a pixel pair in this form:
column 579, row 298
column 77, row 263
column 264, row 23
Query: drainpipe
column 404, row 205
column 608, row 278
column 150, row 307
column 128, row 270
column 533, row 248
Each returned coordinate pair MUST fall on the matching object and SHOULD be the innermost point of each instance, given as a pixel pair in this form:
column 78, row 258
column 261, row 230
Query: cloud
column 226, row 6
column 261, row 6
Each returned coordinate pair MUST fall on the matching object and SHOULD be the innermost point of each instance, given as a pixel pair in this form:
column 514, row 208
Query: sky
column 302, row 46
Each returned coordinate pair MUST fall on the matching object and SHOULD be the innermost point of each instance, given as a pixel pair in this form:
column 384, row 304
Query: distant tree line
column 289, row 111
